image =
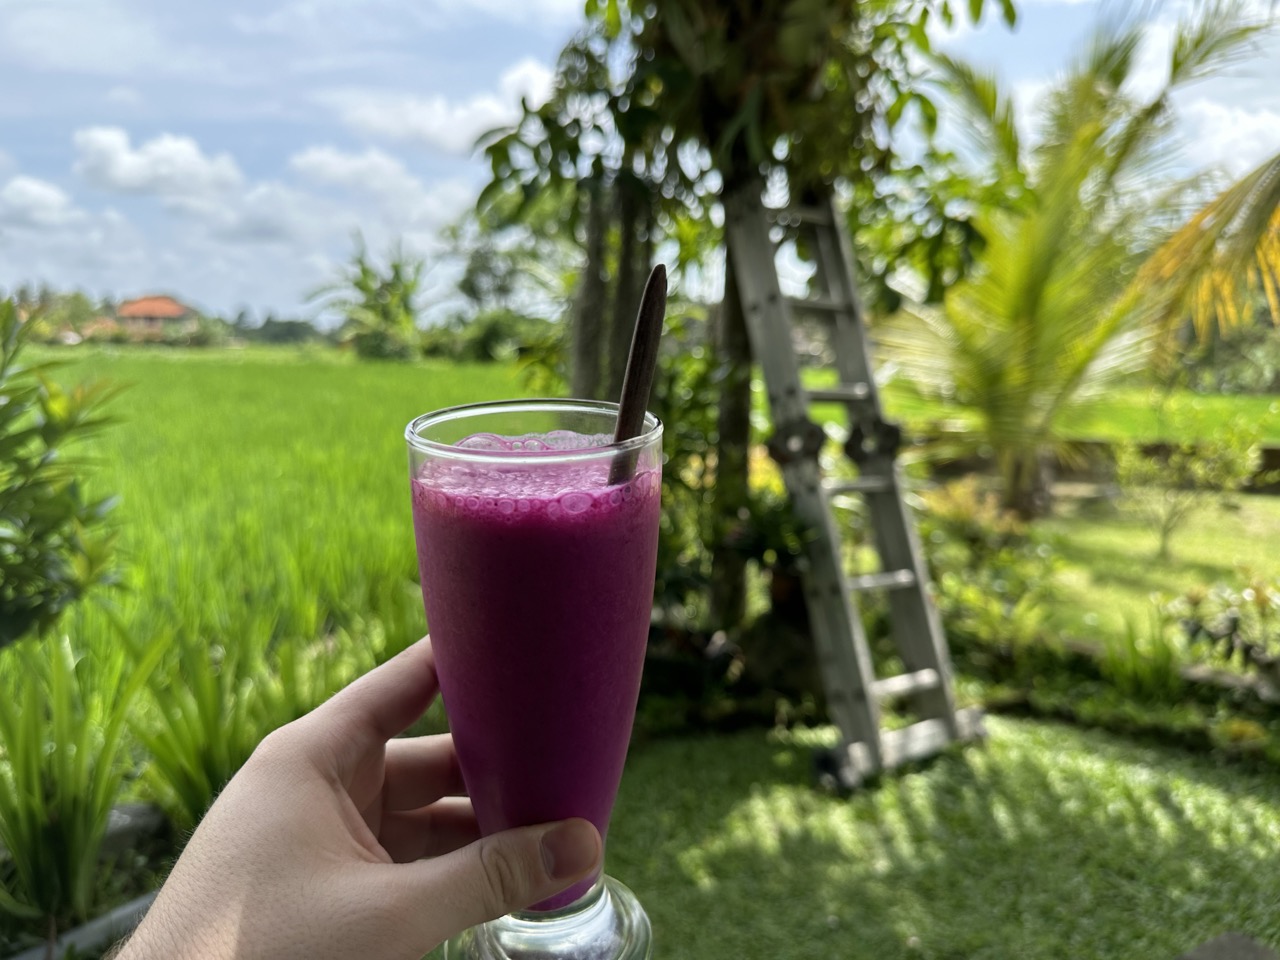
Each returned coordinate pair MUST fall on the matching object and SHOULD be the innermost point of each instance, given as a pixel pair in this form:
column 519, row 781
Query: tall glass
column 537, row 542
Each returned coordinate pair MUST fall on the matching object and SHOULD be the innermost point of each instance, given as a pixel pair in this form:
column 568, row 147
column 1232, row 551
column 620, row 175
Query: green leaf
column 16, row 908
column 975, row 10
column 929, row 111
column 612, row 19
column 1010, row 12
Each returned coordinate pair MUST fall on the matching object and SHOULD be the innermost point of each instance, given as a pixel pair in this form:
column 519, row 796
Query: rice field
column 267, row 491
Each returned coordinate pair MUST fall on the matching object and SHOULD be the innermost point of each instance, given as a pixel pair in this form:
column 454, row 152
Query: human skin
column 337, row 841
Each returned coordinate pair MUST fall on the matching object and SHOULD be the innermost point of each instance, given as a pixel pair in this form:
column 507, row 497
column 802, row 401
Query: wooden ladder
column 854, row 693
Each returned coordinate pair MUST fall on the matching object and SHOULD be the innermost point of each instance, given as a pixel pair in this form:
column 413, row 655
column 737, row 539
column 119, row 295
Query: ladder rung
column 818, row 304
column 889, row 580
column 905, row 684
column 845, row 393
column 919, row 741
column 926, row 738
column 860, row 485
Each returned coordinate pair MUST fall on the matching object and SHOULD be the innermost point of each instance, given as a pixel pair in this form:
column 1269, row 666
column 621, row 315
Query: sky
column 227, row 152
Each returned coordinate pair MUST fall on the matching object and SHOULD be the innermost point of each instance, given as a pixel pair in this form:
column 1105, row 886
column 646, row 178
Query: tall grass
column 62, row 736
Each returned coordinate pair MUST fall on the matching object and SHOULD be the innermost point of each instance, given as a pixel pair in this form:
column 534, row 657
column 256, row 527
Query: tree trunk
column 633, row 270
column 728, row 584
column 586, row 348
column 1026, row 484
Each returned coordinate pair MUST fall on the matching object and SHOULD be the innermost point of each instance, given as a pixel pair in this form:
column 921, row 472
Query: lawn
column 1111, row 572
column 265, row 491
column 1128, row 414
column 1047, row 842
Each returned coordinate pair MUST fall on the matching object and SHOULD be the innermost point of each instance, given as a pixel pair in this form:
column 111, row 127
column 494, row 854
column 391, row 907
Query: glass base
column 606, row 923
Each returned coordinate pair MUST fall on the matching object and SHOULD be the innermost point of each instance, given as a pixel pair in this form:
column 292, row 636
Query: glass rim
column 652, row 431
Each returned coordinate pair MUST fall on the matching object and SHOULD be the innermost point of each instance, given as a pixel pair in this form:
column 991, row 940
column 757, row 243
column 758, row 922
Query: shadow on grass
column 1142, row 572
column 1046, row 843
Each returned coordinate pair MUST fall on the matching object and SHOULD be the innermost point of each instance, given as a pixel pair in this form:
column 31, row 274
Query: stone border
column 98, row 933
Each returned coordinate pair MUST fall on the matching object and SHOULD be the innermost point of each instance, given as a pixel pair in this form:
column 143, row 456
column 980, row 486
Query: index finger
column 370, row 711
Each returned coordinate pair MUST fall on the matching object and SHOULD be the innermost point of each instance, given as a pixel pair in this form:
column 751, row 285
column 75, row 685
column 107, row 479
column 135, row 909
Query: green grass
column 1048, row 842
column 1128, row 414
column 1111, row 571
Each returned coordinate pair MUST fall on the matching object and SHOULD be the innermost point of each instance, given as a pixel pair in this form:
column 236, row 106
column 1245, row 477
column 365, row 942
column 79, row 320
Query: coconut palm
column 379, row 307
column 1097, row 252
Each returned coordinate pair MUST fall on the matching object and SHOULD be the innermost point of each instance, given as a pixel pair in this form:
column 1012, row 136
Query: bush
column 994, row 577
column 1232, row 626
column 493, row 335
column 1165, row 486
column 62, row 733
column 685, row 397
column 54, row 541
column 1247, row 360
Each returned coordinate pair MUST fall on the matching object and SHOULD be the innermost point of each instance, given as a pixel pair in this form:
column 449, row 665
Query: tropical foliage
column 64, row 740
column 54, row 541
column 1075, row 284
column 379, row 305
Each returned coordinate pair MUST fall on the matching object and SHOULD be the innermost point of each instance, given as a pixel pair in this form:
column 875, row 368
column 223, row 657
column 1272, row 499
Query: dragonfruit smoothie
column 538, row 583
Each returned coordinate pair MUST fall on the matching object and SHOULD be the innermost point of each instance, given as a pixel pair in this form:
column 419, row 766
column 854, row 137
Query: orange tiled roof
column 163, row 307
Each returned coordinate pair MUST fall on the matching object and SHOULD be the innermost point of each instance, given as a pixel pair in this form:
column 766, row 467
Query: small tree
column 1166, row 485
column 380, row 307
column 54, row 543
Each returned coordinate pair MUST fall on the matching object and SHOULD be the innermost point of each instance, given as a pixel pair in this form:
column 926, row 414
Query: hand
column 336, row 841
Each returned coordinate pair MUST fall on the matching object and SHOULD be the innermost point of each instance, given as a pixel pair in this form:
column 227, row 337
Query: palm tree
column 380, row 308
column 1097, row 253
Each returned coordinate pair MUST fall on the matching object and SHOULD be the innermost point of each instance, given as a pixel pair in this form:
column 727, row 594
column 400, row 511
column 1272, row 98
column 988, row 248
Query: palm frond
column 1214, row 268
column 988, row 110
column 1218, row 35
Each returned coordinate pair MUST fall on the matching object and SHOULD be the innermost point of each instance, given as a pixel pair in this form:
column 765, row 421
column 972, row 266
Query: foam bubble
column 576, row 502
column 557, row 440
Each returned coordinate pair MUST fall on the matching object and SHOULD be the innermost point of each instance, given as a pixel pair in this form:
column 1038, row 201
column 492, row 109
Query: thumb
column 495, row 875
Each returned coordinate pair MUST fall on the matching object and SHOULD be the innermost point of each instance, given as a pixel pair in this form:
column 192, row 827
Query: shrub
column 213, row 699
column 1166, row 485
column 493, row 335
column 1145, row 664
column 685, row 397
column 1230, row 626
column 993, row 576
column 62, row 732
column 54, row 541
column 379, row 306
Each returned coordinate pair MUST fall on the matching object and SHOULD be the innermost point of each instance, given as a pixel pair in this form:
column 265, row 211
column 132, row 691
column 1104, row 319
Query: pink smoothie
column 538, row 586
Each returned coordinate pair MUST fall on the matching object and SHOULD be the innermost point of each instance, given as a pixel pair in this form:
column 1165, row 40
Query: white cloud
column 1232, row 137
column 372, row 171
column 384, row 178
column 100, row 37
column 30, row 202
column 528, row 78
column 167, row 165
column 449, row 125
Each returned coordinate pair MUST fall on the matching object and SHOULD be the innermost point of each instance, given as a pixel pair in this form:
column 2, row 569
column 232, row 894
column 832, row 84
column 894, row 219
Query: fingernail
column 569, row 849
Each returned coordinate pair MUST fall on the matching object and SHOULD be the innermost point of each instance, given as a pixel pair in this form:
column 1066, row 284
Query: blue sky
column 226, row 152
